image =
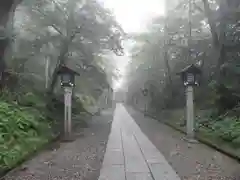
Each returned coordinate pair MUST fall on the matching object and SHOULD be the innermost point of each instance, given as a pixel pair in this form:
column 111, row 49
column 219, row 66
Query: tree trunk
column 212, row 24
column 219, row 49
column 168, row 69
column 165, row 56
column 6, row 7
column 218, row 40
column 61, row 61
column 222, row 28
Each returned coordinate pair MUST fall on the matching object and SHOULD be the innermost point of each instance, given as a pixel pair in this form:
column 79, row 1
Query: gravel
column 80, row 159
column 190, row 161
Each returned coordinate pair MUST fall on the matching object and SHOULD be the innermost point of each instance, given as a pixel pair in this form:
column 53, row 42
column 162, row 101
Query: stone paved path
column 130, row 155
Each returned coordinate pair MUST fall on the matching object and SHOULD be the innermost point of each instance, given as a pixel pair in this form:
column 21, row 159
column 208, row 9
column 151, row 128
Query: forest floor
column 79, row 159
column 190, row 161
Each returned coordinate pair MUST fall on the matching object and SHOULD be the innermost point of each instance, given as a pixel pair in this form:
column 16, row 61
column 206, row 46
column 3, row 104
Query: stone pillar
column 67, row 112
column 190, row 112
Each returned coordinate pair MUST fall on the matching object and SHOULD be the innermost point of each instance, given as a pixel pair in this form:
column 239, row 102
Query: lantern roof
column 191, row 69
column 64, row 69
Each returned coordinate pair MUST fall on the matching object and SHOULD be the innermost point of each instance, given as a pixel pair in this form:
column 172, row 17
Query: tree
column 214, row 47
column 77, row 30
column 7, row 7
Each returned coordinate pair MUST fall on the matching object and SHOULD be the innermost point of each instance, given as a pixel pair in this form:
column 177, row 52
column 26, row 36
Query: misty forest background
column 37, row 37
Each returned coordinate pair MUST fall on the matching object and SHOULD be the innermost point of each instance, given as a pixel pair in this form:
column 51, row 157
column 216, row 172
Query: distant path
column 191, row 162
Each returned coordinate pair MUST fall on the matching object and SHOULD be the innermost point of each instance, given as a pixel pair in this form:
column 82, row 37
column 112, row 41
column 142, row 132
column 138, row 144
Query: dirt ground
column 190, row 161
column 80, row 159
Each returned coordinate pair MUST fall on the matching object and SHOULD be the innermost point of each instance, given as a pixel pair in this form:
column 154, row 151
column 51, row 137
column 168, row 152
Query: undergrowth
column 226, row 128
column 222, row 128
column 21, row 132
column 27, row 123
column 24, row 126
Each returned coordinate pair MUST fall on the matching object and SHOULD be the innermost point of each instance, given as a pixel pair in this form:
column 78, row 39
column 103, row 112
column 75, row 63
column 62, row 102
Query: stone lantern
column 67, row 79
column 190, row 77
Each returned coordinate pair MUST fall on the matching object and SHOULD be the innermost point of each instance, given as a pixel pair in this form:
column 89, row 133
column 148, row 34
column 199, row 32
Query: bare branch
column 52, row 25
column 57, row 29
column 58, row 6
column 198, row 8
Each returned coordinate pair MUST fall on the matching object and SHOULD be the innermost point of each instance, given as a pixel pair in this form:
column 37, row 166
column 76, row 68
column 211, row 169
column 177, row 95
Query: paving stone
column 135, row 165
column 163, row 171
column 114, row 139
column 113, row 157
column 113, row 172
column 139, row 176
column 152, row 155
column 133, row 157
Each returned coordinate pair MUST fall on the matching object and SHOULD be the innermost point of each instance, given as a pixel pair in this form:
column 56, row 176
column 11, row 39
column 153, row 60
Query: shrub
column 31, row 99
column 21, row 132
column 226, row 128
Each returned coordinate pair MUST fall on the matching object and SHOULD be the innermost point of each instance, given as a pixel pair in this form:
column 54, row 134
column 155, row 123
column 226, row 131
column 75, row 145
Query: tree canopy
column 162, row 51
column 75, row 33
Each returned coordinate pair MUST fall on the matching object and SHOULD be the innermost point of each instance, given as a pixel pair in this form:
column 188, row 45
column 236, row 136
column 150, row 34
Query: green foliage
column 78, row 106
column 32, row 99
column 224, row 128
column 87, row 100
column 21, row 132
column 236, row 142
